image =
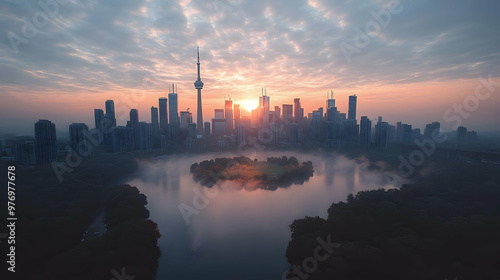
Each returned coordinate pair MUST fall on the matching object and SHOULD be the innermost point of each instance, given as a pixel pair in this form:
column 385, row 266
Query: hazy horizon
column 422, row 60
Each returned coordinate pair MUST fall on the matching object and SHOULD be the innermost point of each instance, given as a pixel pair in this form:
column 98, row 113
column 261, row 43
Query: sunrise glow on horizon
column 84, row 57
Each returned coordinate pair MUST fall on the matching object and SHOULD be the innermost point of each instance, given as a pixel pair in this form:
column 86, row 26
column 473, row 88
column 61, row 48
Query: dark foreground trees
column 446, row 226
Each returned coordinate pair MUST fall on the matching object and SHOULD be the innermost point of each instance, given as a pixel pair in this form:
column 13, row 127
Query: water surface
column 239, row 234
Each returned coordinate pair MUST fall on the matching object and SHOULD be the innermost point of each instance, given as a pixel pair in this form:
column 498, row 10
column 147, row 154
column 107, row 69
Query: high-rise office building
column 134, row 124
column 406, row 134
column 199, row 86
column 78, row 139
column 122, row 139
column 331, row 114
column 229, row 115
column 415, row 134
column 191, row 130
column 264, row 106
column 99, row 119
column 275, row 132
column 392, row 135
column 25, row 150
column 110, row 113
column 46, row 141
column 294, row 134
column 155, row 127
column 381, row 133
column 163, row 112
column 219, row 127
column 240, row 134
column 348, row 131
column 206, row 127
column 330, row 102
column 316, row 125
column 277, row 113
column 298, row 113
column 237, row 114
column 431, row 129
column 255, row 118
column 173, row 113
column 351, row 114
column 219, row 113
column 154, row 119
column 365, row 131
column 186, row 117
column 287, row 113
column 399, row 132
column 145, row 140
column 134, row 117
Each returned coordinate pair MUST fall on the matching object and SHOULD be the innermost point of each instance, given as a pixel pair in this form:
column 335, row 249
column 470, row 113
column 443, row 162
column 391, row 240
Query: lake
column 229, row 233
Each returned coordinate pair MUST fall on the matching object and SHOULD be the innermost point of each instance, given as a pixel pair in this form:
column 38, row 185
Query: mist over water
column 240, row 234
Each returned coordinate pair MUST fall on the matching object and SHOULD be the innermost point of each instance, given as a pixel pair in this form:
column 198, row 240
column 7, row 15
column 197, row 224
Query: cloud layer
column 96, row 47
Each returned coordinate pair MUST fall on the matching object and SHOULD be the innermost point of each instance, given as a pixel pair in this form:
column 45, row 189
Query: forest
column 275, row 172
column 446, row 225
column 53, row 217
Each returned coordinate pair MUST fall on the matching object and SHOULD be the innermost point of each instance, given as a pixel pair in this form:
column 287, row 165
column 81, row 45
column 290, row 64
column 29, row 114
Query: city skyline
column 293, row 54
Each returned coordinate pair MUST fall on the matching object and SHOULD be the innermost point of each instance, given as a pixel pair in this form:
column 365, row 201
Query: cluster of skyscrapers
column 285, row 126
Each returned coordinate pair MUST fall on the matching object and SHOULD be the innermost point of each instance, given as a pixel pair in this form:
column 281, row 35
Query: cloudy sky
column 409, row 61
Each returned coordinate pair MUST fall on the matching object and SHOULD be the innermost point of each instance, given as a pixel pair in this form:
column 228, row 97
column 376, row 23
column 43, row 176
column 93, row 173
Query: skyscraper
column 277, row 113
column 134, row 124
column 78, row 139
column 219, row 127
column 229, row 115
column 154, row 118
column 199, row 86
column 191, row 130
column 351, row 114
column 207, row 129
column 219, row 113
column 365, row 133
column 25, row 150
column 298, row 113
column 134, row 117
column 110, row 113
column 237, row 114
column 186, row 117
column 381, row 133
column 431, row 128
column 240, row 134
column 155, row 127
column 287, row 113
column 330, row 102
column 144, row 141
column 163, row 112
column 316, row 125
column 98, row 118
column 264, row 104
column 46, row 142
column 173, row 114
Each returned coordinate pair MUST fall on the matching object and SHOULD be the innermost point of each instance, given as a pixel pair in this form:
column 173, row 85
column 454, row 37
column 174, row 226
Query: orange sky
column 415, row 104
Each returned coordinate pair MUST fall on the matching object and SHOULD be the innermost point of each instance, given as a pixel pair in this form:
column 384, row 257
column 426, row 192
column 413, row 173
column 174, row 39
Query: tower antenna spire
column 198, row 50
column 198, row 85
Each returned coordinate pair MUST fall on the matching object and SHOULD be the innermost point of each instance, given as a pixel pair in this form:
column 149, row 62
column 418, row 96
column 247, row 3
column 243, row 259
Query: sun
column 249, row 104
